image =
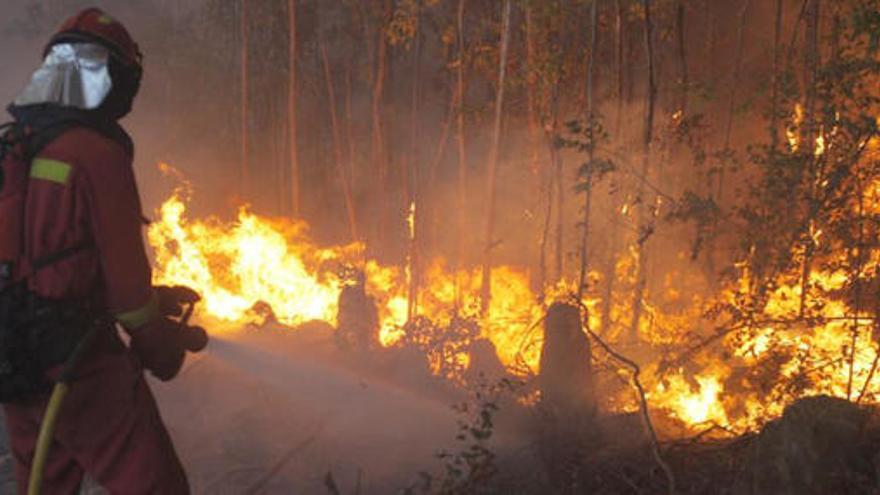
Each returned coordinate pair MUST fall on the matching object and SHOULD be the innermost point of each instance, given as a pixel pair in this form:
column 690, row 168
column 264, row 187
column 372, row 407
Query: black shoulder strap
column 47, row 261
column 33, row 141
column 38, row 139
column 6, row 138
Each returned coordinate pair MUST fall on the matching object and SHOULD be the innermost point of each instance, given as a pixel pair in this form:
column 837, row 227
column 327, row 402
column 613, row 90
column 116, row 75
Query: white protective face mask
column 72, row 75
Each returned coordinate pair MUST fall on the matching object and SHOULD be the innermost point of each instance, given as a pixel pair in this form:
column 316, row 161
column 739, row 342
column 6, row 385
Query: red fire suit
column 82, row 188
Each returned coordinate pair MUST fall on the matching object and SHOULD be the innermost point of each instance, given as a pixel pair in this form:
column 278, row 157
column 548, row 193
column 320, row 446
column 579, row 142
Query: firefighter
column 72, row 259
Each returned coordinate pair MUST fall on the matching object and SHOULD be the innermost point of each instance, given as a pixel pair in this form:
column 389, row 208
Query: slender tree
column 619, row 66
column 543, row 184
column 532, row 99
column 614, row 229
column 245, row 151
column 774, row 98
column 338, row 154
column 415, row 165
column 645, row 224
column 812, row 11
column 684, row 76
column 462, row 156
column 378, row 155
column 558, row 179
column 295, row 192
column 491, row 186
column 731, row 98
column 591, row 146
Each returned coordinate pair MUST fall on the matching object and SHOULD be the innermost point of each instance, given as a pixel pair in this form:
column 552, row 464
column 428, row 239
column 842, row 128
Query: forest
column 634, row 243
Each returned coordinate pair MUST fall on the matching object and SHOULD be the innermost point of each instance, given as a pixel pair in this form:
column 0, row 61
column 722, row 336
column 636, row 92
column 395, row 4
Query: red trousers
column 109, row 427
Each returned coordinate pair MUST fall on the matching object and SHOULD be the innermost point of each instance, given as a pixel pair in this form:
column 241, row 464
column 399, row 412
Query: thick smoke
column 278, row 413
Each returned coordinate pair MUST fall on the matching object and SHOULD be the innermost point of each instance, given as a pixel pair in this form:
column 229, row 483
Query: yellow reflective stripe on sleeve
column 141, row 316
column 51, row 170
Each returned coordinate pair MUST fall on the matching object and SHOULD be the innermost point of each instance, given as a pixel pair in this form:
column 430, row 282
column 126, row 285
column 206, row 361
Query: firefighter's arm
column 115, row 211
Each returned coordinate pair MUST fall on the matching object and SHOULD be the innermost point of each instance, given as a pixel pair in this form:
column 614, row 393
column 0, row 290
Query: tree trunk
column 774, row 99
column 462, row 157
column 808, row 136
column 684, row 77
column 588, row 192
column 610, row 274
column 731, row 99
column 559, row 181
column 349, row 128
column 337, row 148
column 493, row 158
column 619, row 49
column 245, row 151
column 811, row 68
column 295, row 200
column 542, row 188
column 436, row 162
column 531, row 102
column 645, row 213
column 443, row 142
column 415, row 171
column 378, row 155
column 537, row 186
column 711, row 24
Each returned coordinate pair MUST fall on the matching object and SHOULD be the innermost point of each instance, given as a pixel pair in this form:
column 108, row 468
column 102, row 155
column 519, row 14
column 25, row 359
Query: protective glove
column 162, row 344
column 158, row 346
column 172, row 299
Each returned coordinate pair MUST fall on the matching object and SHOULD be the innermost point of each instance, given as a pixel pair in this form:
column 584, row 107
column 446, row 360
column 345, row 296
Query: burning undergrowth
column 791, row 320
column 735, row 376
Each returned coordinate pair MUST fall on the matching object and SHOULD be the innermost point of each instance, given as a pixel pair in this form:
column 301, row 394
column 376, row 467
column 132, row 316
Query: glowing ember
column 793, row 129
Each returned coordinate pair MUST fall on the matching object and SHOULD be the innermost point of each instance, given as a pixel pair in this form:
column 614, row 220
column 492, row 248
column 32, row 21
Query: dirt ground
column 269, row 412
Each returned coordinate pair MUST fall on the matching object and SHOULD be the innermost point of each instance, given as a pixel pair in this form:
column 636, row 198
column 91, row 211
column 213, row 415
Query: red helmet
column 95, row 25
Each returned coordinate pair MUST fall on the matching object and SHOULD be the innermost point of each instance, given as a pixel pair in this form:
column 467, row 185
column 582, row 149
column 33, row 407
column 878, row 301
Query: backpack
column 36, row 333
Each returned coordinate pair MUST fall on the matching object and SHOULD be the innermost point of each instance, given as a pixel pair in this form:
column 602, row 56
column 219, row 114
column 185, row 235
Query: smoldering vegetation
column 700, row 178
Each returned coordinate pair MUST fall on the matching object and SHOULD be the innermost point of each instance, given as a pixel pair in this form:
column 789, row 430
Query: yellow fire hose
column 50, row 419
column 56, row 400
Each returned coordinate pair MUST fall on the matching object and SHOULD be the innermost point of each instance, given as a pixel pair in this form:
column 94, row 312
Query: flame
column 411, row 220
column 793, row 129
column 693, row 404
column 238, row 264
column 820, row 144
column 792, row 132
column 250, row 261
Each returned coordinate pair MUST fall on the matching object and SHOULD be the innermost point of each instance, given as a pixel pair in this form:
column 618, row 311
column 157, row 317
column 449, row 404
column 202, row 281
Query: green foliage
column 703, row 212
column 809, row 209
column 866, row 22
column 470, row 469
column 584, row 136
